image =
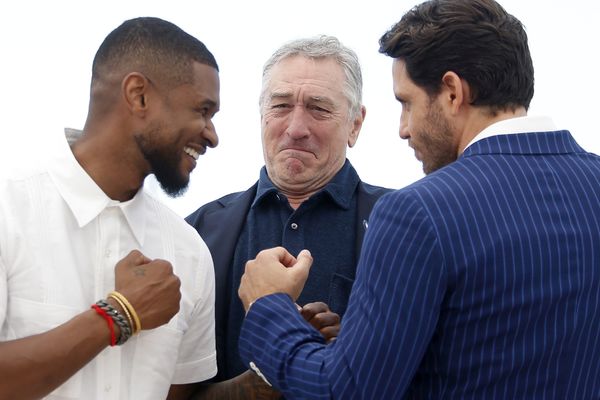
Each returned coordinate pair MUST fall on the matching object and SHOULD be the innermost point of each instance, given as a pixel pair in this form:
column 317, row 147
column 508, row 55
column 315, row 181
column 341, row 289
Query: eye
column 319, row 109
column 280, row 105
column 202, row 110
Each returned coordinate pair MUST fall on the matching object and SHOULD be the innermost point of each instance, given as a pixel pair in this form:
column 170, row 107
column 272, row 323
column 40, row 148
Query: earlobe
column 455, row 90
column 134, row 88
column 356, row 126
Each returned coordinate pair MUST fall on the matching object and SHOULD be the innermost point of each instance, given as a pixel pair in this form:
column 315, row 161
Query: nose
column 210, row 135
column 404, row 134
column 298, row 124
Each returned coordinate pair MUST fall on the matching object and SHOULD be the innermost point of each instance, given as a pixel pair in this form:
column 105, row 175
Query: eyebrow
column 282, row 95
column 208, row 102
column 399, row 98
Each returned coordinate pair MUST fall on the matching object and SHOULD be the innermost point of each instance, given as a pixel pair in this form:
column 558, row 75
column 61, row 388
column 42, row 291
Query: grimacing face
column 423, row 123
column 181, row 129
column 306, row 125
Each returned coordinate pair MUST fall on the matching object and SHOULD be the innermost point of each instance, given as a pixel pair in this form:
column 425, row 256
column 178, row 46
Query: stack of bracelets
column 128, row 326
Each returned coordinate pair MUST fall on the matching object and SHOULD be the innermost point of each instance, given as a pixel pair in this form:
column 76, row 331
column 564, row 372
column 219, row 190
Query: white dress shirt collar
column 85, row 198
column 526, row 124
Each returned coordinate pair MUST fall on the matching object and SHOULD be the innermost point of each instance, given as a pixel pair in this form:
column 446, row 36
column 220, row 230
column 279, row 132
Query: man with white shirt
column 104, row 292
column 481, row 280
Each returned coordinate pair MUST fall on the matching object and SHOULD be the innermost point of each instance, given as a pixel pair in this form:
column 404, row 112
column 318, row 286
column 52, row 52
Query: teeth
column 191, row 152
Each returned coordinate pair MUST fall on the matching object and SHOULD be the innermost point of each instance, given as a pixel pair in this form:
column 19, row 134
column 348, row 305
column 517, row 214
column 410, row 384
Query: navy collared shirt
column 324, row 224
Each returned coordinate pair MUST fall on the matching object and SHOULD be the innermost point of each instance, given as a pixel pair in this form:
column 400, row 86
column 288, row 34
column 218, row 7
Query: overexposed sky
column 47, row 50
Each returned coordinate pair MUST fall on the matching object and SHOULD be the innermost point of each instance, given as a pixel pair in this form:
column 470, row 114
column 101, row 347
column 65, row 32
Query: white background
column 47, row 49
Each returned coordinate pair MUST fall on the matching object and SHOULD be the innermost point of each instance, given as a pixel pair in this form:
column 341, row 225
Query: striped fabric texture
column 480, row 281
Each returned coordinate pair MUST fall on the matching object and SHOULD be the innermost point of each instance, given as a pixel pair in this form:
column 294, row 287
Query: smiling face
column 423, row 123
column 306, row 124
column 181, row 129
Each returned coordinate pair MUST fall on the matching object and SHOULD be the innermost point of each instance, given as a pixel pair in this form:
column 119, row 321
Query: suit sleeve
column 391, row 316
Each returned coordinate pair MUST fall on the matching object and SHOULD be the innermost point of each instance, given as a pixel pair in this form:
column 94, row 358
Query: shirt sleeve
column 3, row 292
column 391, row 316
column 197, row 359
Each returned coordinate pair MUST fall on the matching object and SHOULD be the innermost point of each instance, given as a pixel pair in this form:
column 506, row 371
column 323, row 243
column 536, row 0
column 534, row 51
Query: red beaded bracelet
column 113, row 338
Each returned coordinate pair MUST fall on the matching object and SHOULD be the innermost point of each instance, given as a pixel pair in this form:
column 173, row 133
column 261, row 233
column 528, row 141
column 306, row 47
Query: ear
column 455, row 92
column 135, row 88
column 356, row 125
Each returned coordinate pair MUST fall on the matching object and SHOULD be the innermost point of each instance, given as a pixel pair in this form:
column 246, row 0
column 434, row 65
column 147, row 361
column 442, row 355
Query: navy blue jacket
column 220, row 224
column 480, row 281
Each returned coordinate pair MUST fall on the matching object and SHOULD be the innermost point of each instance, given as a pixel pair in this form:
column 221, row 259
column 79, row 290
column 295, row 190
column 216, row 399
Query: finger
column 138, row 257
column 307, row 314
column 279, row 254
column 286, row 258
column 311, row 309
column 323, row 320
column 330, row 333
column 316, row 307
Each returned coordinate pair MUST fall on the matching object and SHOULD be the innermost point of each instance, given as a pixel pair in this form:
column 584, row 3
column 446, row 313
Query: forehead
column 205, row 85
column 402, row 81
column 316, row 75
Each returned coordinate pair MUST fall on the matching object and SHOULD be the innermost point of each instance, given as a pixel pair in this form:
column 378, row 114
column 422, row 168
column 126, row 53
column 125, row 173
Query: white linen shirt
column 60, row 239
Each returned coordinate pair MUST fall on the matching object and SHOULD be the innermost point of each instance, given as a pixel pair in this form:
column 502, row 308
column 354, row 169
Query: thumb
column 303, row 263
column 299, row 273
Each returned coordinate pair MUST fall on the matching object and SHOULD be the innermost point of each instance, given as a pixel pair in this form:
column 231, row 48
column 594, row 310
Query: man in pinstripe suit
column 482, row 280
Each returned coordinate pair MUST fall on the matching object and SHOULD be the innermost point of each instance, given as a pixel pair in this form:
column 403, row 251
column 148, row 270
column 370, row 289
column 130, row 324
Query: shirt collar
column 264, row 188
column 343, row 185
column 340, row 189
column 526, row 124
column 84, row 197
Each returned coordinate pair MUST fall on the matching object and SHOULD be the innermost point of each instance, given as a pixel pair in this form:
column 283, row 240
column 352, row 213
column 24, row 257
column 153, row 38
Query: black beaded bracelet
column 124, row 328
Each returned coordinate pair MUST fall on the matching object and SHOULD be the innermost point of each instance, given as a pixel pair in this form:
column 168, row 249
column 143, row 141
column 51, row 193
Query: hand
column 322, row 319
column 150, row 286
column 274, row 271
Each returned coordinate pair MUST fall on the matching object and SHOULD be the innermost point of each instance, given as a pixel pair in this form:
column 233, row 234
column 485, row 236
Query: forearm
column 245, row 386
column 34, row 366
column 293, row 362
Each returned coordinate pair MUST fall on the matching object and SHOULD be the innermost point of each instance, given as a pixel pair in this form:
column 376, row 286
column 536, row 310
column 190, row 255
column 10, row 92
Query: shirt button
column 294, row 226
column 107, row 253
column 107, row 388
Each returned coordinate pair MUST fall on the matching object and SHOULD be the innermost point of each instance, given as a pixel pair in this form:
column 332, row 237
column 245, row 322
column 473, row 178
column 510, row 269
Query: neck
column 296, row 200
column 481, row 119
column 119, row 175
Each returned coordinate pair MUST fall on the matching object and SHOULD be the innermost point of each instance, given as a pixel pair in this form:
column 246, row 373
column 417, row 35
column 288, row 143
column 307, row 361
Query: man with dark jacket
column 308, row 194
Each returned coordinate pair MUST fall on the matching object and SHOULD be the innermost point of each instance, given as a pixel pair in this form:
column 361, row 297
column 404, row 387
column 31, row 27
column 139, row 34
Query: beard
column 164, row 160
column 436, row 141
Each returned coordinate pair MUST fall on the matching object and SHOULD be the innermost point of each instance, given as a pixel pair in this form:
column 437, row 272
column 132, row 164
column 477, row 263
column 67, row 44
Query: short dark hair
column 476, row 39
column 151, row 46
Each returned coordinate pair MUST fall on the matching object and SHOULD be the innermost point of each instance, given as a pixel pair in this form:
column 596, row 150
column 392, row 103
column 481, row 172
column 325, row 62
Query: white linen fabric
column 60, row 239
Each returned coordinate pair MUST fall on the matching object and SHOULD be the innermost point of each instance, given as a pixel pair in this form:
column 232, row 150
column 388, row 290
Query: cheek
column 272, row 130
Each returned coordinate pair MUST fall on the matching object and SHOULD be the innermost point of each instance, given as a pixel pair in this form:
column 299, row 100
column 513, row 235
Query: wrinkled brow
column 286, row 95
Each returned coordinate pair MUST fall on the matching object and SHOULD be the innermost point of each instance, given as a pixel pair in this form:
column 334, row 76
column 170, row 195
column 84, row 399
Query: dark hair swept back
column 153, row 46
column 476, row 39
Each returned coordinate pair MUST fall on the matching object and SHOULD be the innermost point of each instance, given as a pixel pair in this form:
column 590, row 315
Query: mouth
column 195, row 154
column 297, row 150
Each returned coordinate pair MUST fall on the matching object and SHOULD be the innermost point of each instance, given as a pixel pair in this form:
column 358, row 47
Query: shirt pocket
column 339, row 293
column 154, row 361
column 29, row 318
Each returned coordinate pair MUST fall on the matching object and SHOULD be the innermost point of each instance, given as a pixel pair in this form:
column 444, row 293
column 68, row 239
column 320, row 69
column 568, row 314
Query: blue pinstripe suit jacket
column 482, row 281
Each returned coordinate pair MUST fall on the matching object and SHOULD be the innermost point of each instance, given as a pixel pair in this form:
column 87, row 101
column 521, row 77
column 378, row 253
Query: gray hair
column 321, row 47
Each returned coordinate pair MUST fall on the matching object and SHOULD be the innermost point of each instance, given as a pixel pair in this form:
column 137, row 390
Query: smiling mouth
column 191, row 152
